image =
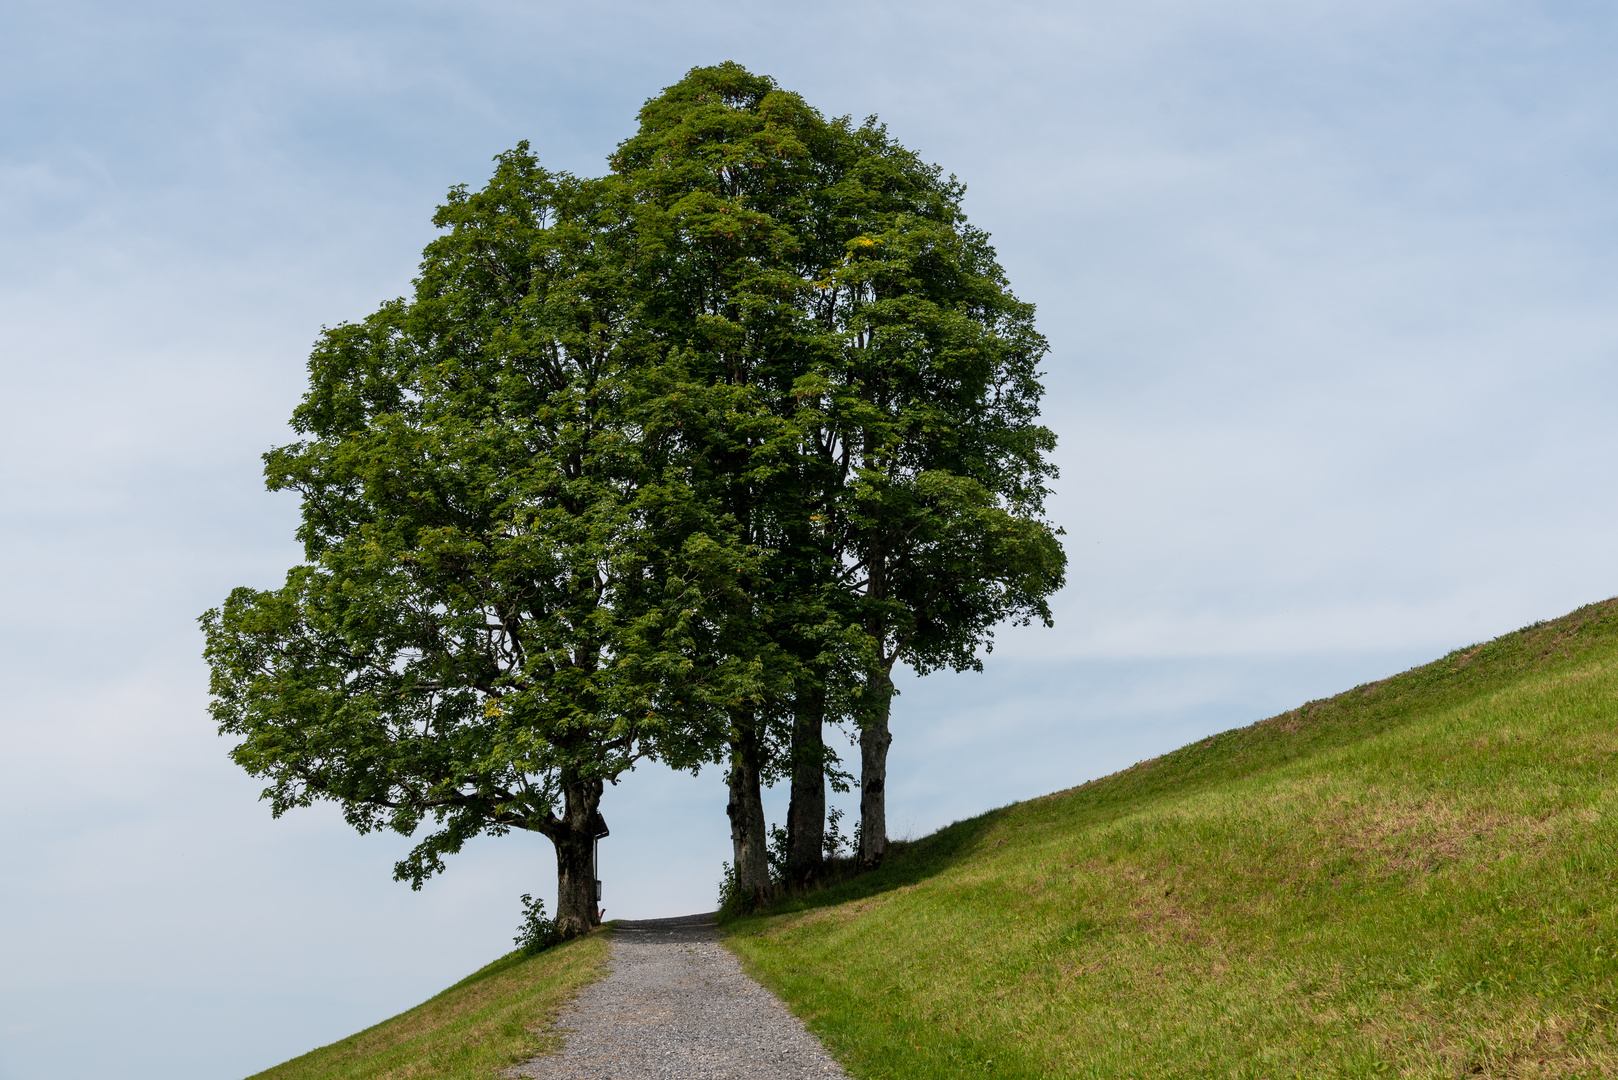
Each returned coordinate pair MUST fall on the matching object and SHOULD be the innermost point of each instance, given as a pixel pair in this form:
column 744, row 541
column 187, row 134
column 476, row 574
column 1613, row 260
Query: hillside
column 1413, row 878
column 488, row 1021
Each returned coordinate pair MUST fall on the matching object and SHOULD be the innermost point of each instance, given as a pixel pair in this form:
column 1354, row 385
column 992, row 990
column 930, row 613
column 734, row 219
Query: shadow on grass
column 1312, row 728
column 908, row 862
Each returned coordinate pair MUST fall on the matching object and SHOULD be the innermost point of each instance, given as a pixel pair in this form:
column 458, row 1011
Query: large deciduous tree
column 723, row 176
column 891, row 465
column 676, row 462
column 930, row 435
column 508, row 578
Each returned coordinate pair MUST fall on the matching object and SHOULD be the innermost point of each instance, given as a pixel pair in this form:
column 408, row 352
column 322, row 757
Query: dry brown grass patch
column 1496, row 1041
column 1411, row 835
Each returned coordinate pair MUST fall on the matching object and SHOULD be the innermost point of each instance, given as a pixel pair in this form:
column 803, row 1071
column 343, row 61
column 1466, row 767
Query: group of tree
column 675, row 463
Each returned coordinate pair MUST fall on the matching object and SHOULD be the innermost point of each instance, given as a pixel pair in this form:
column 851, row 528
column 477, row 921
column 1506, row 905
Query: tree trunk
column 874, row 742
column 806, row 814
column 576, row 910
column 746, row 810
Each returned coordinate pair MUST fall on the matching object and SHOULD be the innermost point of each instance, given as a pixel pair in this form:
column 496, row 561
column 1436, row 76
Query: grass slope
column 488, row 1021
column 1414, row 878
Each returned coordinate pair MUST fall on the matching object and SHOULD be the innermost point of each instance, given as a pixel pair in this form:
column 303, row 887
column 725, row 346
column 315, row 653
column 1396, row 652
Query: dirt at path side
column 678, row 1006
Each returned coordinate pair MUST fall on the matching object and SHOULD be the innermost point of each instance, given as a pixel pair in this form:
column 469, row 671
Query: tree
column 678, row 462
column 727, row 175
column 930, row 436
column 508, row 577
column 890, row 467
column 719, row 175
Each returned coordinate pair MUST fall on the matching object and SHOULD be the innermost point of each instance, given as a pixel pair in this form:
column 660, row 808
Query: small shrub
column 778, row 854
column 835, row 844
column 731, row 900
column 538, row 932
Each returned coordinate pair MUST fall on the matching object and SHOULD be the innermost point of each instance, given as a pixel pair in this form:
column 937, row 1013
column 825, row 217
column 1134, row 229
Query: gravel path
column 677, row 1006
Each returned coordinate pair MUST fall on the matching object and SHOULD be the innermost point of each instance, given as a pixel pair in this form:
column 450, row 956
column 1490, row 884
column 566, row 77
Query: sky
column 1330, row 291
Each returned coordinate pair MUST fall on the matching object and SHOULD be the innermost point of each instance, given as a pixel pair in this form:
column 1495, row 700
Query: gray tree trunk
column 576, row 910
column 746, row 811
column 806, row 814
column 874, row 742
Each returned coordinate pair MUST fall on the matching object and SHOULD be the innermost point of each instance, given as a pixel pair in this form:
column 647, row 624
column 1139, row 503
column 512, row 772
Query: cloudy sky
column 1330, row 290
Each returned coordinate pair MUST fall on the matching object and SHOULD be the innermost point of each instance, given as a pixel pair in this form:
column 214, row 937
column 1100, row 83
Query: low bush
column 538, row 932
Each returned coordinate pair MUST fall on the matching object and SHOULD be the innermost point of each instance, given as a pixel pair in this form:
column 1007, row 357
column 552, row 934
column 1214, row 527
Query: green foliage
column 778, row 854
column 643, row 461
column 510, row 589
column 885, row 459
column 537, row 932
column 734, row 901
column 1412, row 878
column 834, row 844
column 907, row 471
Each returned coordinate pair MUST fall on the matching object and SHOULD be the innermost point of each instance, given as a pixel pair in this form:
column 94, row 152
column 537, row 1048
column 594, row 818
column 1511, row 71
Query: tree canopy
column 675, row 462
column 894, row 473
column 503, row 561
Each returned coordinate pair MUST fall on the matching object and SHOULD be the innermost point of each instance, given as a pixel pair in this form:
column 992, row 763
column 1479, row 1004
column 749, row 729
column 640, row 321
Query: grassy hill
column 1413, row 878
column 487, row 1022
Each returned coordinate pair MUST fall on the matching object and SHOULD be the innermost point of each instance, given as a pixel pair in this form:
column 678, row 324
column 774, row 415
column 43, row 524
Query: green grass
column 487, row 1022
column 1414, row 878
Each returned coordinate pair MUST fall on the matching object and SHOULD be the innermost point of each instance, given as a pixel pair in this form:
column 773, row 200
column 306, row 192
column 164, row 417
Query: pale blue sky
column 1330, row 289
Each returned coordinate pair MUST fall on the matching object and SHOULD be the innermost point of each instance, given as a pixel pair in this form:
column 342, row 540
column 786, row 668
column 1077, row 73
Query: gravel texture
column 677, row 1006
